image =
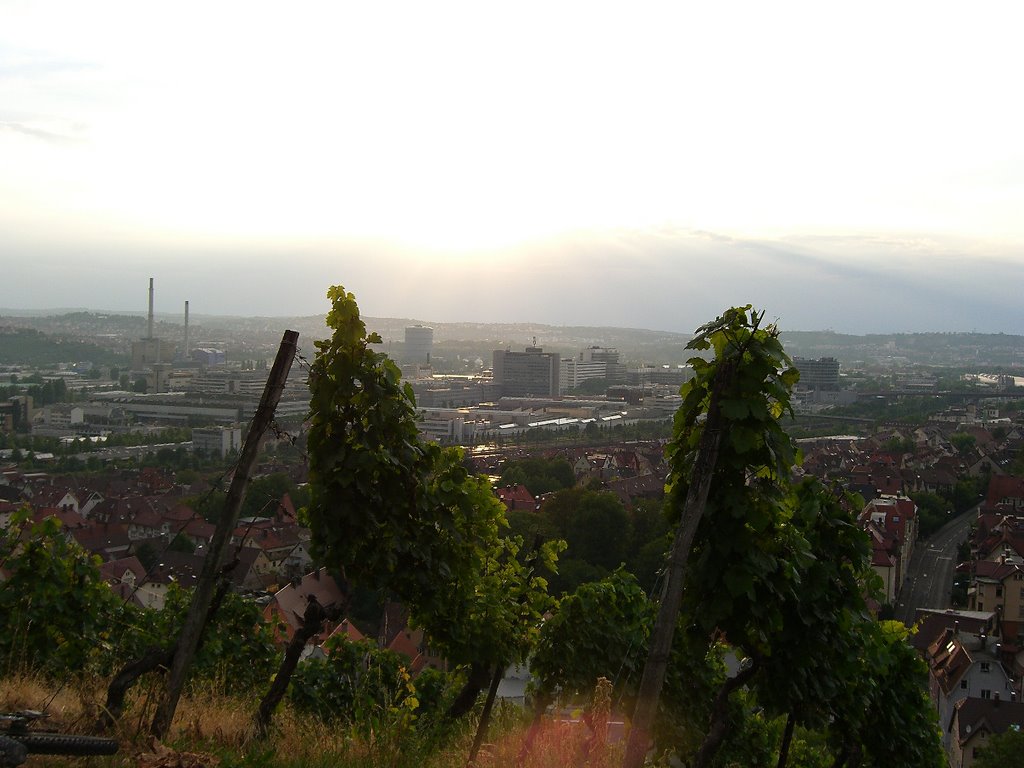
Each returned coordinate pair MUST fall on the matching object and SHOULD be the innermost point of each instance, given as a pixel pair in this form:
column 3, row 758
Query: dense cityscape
column 129, row 446
column 540, row 384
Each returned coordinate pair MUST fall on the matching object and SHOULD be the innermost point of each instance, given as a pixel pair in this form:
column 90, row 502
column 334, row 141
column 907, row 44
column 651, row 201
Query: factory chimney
column 149, row 335
column 186, row 330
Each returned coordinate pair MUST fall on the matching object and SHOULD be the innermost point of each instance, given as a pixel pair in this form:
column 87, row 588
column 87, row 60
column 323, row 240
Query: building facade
column 822, row 373
column 419, row 339
column 217, row 441
column 532, row 373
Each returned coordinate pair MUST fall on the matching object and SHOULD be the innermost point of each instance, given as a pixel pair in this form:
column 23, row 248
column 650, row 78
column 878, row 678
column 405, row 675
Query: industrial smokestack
column 149, row 335
column 186, row 330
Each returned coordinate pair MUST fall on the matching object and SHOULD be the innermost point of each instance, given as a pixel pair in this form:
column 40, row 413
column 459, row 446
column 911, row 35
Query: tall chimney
column 186, row 329
column 149, row 335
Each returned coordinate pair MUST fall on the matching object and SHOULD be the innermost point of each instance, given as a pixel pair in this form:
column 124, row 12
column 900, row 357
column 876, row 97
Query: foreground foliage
column 774, row 655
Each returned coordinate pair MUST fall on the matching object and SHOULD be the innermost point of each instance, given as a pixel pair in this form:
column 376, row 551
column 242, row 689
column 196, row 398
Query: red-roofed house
column 516, row 497
column 55, row 496
column 959, row 667
column 109, row 541
column 286, row 610
column 895, row 517
column 348, row 630
column 124, row 576
column 1005, row 494
column 410, row 643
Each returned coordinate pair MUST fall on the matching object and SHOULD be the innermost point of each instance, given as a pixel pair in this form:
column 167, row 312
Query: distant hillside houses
column 139, row 525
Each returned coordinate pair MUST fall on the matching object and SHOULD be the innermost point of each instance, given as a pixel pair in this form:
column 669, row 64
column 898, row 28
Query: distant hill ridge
column 947, row 349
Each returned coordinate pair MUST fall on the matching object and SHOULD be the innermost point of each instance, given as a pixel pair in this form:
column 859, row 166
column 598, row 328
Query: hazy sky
column 854, row 166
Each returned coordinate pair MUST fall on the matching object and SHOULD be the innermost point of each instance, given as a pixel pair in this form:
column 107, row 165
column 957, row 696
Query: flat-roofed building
column 216, row 441
column 615, row 371
column 822, row 373
column 532, row 373
column 575, row 372
column 419, row 340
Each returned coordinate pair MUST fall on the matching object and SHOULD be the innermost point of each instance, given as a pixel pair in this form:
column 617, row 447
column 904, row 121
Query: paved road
column 931, row 569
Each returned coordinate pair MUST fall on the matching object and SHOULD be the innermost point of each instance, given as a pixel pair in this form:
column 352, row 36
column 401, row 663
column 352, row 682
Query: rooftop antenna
column 149, row 335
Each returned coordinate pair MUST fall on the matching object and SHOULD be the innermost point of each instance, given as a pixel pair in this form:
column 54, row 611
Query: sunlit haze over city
column 852, row 167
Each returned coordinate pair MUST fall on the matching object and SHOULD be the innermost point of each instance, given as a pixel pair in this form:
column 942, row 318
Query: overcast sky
column 853, row 166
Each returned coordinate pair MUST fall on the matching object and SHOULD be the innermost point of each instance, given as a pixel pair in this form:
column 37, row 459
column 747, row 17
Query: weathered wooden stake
column 672, row 595
column 485, row 716
column 203, row 595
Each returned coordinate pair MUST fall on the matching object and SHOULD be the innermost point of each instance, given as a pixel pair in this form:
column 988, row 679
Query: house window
column 985, row 667
column 986, row 693
column 963, row 684
column 999, row 591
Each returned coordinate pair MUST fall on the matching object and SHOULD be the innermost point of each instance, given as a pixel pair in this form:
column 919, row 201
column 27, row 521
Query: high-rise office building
column 418, row 342
column 533, row 373
column 822, row 373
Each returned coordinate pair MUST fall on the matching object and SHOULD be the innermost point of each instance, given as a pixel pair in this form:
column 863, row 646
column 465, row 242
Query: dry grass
column 216, row 730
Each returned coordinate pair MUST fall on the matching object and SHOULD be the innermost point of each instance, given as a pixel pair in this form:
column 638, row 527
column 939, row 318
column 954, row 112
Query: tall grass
column 215, row 729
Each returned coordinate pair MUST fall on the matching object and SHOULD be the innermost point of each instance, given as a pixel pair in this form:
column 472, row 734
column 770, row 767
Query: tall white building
column 217, row 441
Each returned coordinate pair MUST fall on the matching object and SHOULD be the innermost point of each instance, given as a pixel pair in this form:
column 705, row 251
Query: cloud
column 39, row 133
column 665, row 279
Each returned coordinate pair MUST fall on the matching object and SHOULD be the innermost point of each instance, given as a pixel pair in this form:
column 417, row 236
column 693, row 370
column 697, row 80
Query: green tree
column 238, row 652
column 933, row 511
column 649, row 542
column 181, row 543
column 147, row 554
column 777, row 570
column 601, row 629
column 395, row 512
column 403, row 516
column 538, row 474
column 357, row 683
column 964, row 442
column 883, row 715
column 597, row 532
column 265, row 493
column 56, row 612
column 1003, row 750
column 968, row 491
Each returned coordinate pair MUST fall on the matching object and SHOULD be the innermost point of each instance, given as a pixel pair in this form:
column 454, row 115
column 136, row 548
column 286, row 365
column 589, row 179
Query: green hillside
column 24, row 346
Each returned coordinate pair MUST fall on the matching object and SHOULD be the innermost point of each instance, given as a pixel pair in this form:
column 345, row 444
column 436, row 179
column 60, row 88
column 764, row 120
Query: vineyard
column 754, row 646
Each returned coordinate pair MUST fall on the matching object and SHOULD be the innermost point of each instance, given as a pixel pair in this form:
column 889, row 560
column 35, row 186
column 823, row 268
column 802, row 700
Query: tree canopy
column 538, row 474
column 777, row 569
column 404, row 516
column 1003, row 750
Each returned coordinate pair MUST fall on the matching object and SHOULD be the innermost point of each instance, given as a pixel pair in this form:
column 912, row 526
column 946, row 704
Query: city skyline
column 849, row 169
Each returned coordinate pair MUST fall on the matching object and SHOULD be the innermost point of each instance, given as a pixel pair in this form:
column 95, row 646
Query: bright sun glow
column 458, row 127
column 430, row 154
